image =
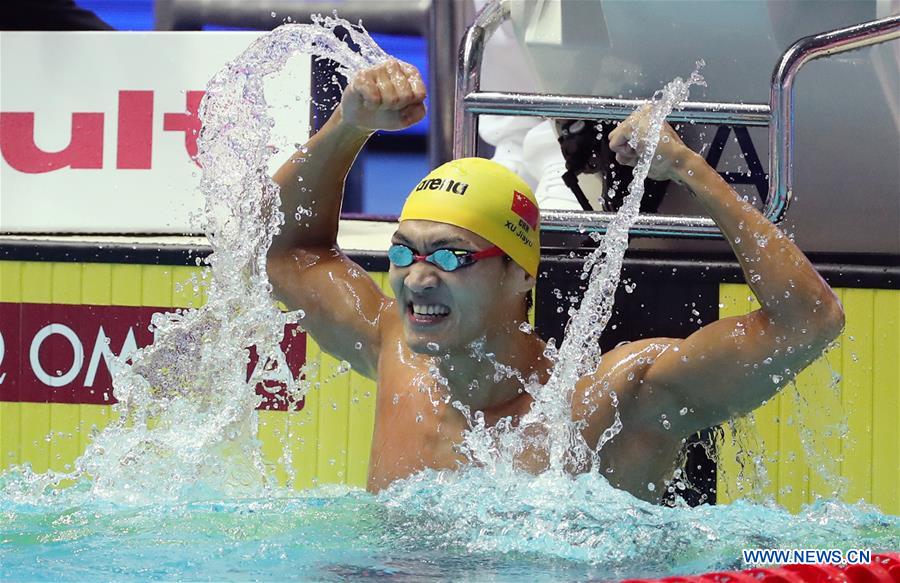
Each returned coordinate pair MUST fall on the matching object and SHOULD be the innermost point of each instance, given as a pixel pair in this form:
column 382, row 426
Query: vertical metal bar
column 781, row 101
column 468, row 75
column 781, row 104
column 465, row 122
column 447, row 21
column 163, row 15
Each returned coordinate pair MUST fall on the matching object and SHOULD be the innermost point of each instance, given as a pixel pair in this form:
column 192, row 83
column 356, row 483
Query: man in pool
column 463, row 263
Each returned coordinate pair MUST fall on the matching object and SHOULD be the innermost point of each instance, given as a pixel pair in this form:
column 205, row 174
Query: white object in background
column 505, row 68
column 507, row 135
column 98, row 127
column 542, row 155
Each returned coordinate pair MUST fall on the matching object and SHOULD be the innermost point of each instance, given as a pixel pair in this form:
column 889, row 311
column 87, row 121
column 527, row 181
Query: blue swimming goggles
column 446, row 259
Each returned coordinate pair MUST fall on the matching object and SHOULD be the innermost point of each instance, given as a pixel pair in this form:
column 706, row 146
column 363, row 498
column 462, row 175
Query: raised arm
column 308, row 271
column 731, row 366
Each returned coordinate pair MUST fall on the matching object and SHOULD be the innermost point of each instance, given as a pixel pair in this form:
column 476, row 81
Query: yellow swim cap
column 485, row 198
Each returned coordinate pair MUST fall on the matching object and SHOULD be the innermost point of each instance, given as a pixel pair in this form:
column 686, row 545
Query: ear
column 518, row 279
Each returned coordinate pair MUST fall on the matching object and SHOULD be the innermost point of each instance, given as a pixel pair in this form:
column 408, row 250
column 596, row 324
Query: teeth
column 430, row 309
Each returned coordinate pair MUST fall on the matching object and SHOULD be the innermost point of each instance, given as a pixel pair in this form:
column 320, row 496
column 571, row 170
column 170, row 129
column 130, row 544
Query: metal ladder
column 777, row 115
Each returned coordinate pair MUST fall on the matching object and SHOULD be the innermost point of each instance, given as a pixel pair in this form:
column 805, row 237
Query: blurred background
column 394, row 160
column 846, row 127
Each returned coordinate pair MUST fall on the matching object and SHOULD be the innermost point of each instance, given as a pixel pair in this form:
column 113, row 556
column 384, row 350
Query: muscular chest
column 415, row 428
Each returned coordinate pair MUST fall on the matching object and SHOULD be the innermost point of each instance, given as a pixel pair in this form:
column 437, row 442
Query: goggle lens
column 401, row 255
column 445, row 259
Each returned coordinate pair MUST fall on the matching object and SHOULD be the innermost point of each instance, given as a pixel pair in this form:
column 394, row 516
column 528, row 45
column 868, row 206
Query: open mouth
column 427, row 314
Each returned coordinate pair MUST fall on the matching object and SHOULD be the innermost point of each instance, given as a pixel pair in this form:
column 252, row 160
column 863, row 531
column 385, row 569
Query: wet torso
column 416, row 429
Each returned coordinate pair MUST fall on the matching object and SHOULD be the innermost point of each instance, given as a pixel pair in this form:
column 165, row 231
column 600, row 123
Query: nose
column 421, row 276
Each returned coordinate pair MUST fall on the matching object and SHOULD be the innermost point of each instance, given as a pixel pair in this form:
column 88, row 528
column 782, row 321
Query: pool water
column 468, row 525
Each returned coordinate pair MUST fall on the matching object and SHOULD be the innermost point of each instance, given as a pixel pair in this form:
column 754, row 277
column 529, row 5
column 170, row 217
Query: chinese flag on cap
column 522, row 206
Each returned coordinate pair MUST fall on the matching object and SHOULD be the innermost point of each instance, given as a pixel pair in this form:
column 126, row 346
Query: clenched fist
column 389, row 96
column 670, row 152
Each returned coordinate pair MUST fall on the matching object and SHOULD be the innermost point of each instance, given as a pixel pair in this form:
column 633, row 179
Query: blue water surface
column 436, row 526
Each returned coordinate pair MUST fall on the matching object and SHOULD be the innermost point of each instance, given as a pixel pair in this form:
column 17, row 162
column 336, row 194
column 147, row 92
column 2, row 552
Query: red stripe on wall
column 56, row 353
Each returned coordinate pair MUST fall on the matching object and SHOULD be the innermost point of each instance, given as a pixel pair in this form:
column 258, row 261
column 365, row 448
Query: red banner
column 59, row 353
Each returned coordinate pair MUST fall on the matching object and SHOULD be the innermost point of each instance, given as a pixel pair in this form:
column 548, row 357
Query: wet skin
column 413, row 433
column 724, row 370
column 415, row 427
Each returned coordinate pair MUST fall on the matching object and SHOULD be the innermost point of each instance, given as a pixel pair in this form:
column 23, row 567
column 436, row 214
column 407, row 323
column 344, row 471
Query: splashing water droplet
column 185, row 399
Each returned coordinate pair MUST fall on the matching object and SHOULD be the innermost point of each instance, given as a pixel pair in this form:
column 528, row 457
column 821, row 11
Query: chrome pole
column 781, row 129
column 446, row 26
column 468, row 75
column 646, row 225
column 587, row 107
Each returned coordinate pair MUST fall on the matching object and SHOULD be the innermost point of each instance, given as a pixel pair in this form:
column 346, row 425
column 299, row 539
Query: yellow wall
column 849, row 403
column 329, row 438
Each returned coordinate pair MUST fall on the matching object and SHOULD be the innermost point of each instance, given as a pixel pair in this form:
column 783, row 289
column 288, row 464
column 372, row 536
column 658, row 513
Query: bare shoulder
column 619, row 407
column 626, row 362
column 618, row 382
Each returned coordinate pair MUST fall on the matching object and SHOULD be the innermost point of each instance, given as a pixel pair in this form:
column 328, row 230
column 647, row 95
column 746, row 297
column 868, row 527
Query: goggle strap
column 489, row 252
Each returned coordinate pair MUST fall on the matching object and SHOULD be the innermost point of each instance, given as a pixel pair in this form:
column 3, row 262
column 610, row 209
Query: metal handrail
column 781, row 99
column 777, row 115
column 468, row 74
column 588, row 107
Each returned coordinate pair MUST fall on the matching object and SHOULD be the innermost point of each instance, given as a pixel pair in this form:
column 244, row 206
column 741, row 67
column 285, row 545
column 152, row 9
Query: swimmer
column 463, row 263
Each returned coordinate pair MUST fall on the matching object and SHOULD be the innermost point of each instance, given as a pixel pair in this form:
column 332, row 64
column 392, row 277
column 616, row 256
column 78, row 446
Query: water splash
column 435, row 526
column 548, row 426
column 821, row 434
column 186, row 411
column 587, row 520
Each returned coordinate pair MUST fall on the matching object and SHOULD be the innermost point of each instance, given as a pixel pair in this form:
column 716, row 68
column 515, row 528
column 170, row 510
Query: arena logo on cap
column 445, row 184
